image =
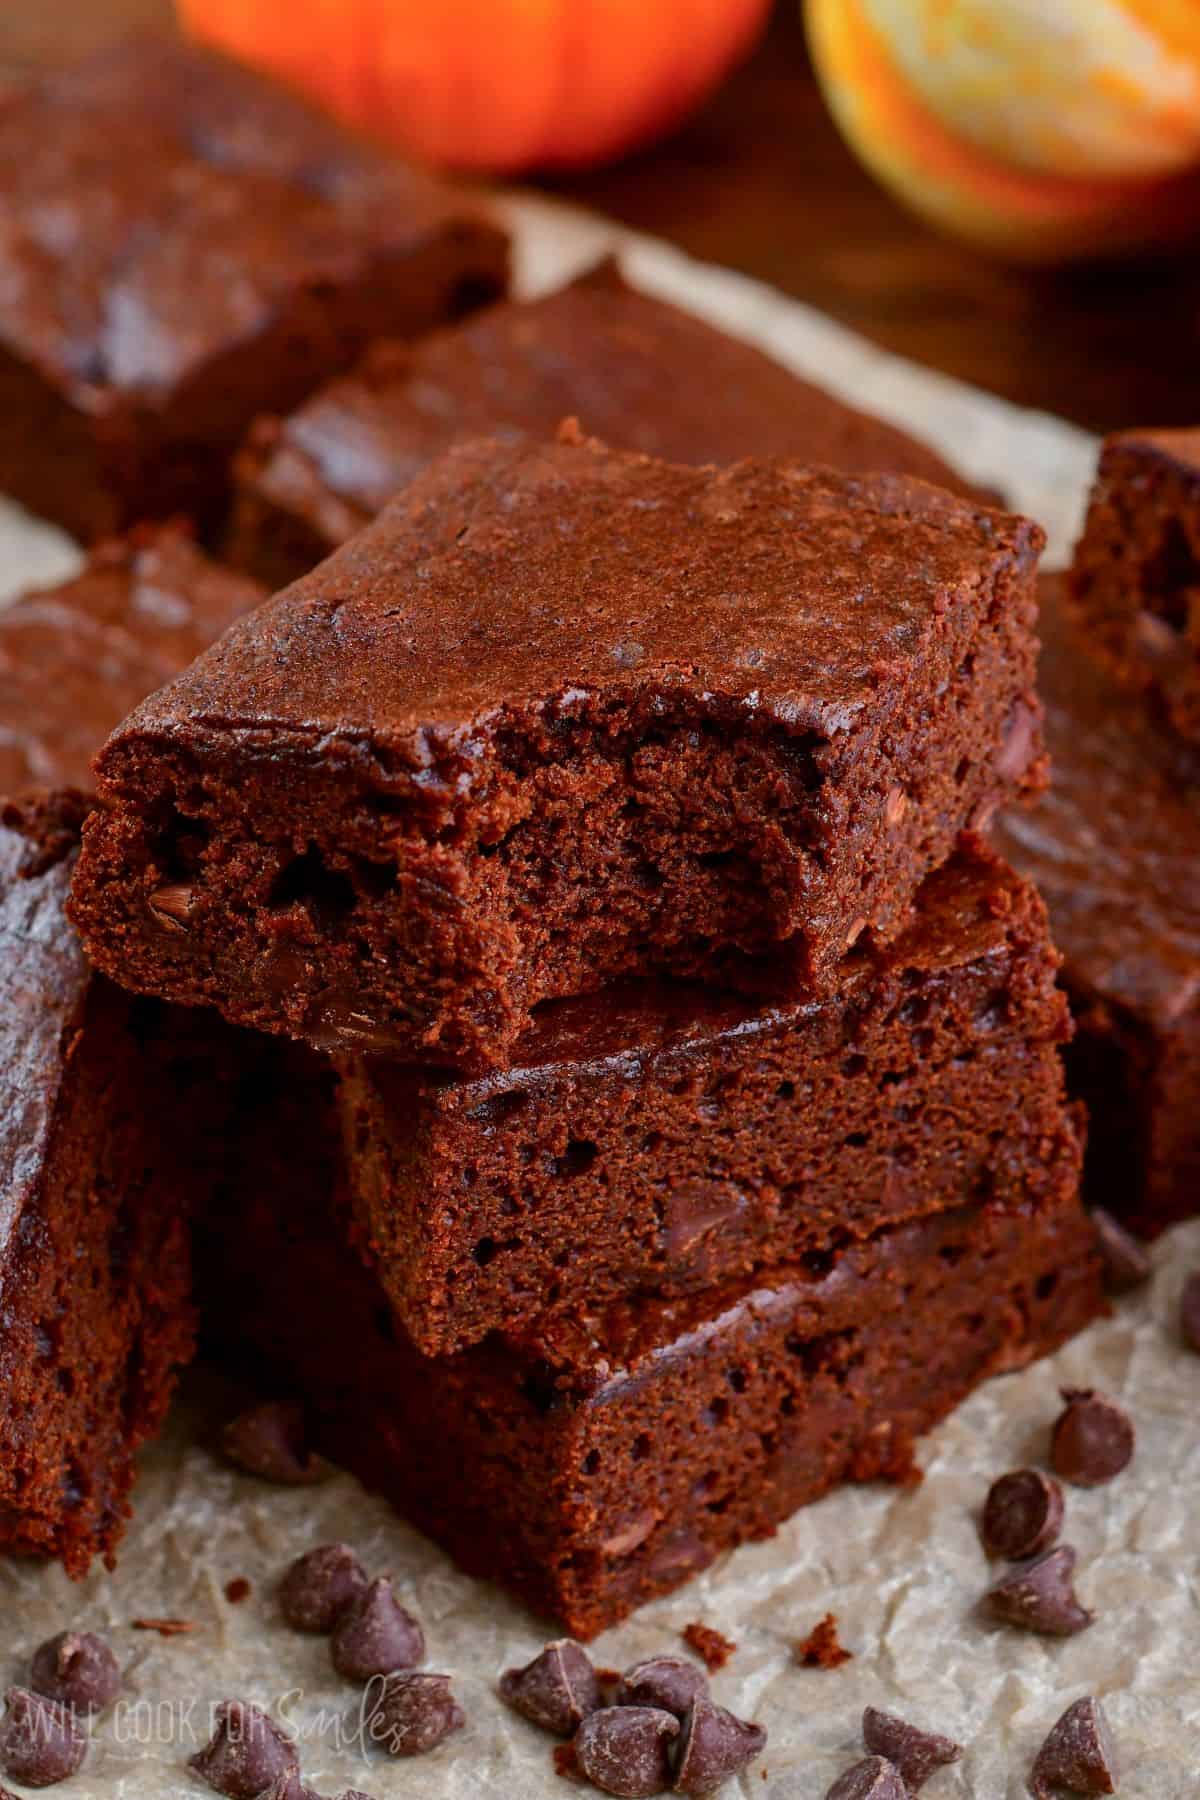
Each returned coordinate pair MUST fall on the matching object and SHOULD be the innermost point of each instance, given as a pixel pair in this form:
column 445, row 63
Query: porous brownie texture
column 593, row 1463
column 1114, row 847
column 76, row 658
column 621, row 361
column 95, row 1284
column 1135, row 580
column 664, row 1137
column 560, row 716
column 187, row 246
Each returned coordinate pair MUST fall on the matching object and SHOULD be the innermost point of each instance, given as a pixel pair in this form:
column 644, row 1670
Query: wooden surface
column 760, row 181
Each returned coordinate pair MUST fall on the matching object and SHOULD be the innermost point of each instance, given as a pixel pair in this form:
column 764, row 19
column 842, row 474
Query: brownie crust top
column 510, row 580
column 157, row 203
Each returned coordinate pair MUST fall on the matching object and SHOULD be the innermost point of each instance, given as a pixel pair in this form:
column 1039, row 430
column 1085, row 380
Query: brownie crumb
column 822, row 1649
column 165, row 1627
column 711, row 1646
column 565, row 1764
column 237, row 1590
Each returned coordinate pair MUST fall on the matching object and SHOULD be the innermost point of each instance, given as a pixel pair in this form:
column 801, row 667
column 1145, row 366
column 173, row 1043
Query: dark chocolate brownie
column 184, row 247
column 559, row 716
column 96, row 1175
column 1135, row 582
column 592, row 1463
column 665, row 1137
column 76, row 658
column 1115, row 849
column 624, row 363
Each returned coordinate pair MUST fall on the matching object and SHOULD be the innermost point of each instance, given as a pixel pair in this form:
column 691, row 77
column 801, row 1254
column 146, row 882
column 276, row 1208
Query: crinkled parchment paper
column 903, row 1571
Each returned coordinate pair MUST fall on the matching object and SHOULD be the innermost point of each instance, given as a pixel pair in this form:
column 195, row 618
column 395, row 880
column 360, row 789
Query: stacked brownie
column 1115, row 845
column 610, row 823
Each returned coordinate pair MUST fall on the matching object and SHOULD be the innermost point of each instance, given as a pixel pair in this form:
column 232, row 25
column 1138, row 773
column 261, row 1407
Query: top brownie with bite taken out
column 184, row 246
column 562, row 715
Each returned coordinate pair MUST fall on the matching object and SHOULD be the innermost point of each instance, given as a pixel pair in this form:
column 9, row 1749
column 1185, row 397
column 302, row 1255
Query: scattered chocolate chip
column 822, row 1649
column 667, row 1682
column 246, row 1754
column 715, row 1746
column 712, row 1647
column 408, row 1715
column 1189, row 1312
column 237, row 1590
column 317, row 1588
column 916, row 1754
column 1022, row 1515
column 165, row 1627
column 557, row 1690
column 625, row 1750
column 1079, row 1753
column 78, row 1669
column 1093, row 1438
column 874, row 1778
column 270, row 1441
column 375, row 1635
column 1039, row 1596
column 41, row 1742
column 172, row 906
column 1126, row 1264
column 289, row 1786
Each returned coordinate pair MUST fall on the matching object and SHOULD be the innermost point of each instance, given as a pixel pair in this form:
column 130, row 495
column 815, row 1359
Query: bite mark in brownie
column 665, row 1137
column 560, row 716
column 592, row 1463
column 621, row 361
column 1114, row 847
column 187, row 246
column 1135, row 579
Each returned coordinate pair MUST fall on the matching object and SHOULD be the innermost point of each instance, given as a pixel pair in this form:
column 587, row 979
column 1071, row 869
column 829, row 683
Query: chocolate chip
column 246, row 1753
column 626, row 1750
column 289, row 1786
column 1022, row 1515
column 270, row 1441
column 375, row 1636
column 667, row 1682
column 557, row 1690
column 1093, row 1438
column 408, row 1715
column 172, row 906
column 1189, row 1312
column 1126, row 1264
column 715, row 1745
column 41, row 1742
column 1079, row 1753
column 1039, row 1596
column 916, row 1754
column 317, row 1588
column 874, row 1778
column 78, row 1669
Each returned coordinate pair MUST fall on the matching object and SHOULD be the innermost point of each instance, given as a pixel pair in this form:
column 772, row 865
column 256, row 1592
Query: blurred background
column 1007, row 194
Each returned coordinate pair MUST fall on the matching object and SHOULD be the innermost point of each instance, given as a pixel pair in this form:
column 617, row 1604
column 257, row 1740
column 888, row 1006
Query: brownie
column 184, row 247
column 76, row 658
column 1115, row 849
column 667, row 1136
column 563, row 715
column 1135, row 581
column 623, row 362
column 95, row 1282
column 111, row 1107
column 593, row 1462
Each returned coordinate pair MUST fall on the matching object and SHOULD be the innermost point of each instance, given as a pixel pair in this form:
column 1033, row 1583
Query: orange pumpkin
column 501, row 85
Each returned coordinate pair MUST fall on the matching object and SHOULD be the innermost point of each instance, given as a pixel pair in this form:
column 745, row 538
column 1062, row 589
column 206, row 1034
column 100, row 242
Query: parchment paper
column 903, row 1571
